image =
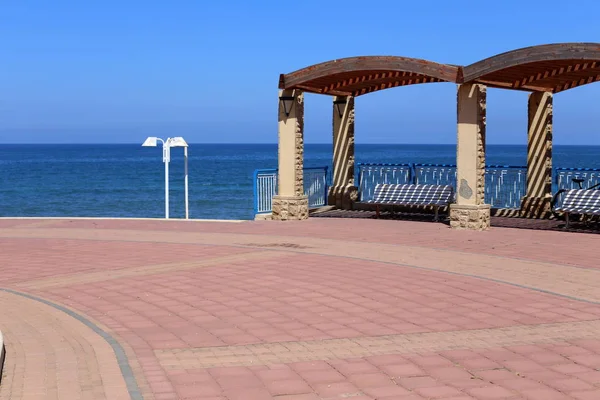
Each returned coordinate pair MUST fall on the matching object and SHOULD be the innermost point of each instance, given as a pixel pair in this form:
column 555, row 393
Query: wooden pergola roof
column 356, row 76
column 550, row 68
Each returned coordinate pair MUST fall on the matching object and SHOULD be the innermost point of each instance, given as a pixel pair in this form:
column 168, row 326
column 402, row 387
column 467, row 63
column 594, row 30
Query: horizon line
column 272, row 143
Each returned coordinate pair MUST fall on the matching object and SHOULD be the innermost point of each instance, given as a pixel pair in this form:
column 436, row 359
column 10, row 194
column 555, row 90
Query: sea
column 127, row 180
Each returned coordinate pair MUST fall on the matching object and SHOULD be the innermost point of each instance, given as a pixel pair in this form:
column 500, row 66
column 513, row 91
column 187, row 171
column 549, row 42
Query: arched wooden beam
column 551, row 67
column 361, row 75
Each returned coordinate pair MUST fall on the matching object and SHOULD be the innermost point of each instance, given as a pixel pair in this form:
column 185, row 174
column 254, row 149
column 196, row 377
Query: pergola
column 542, row 70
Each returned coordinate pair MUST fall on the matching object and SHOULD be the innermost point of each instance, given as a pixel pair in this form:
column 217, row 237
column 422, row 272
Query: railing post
column 255, row 191
column 360, row 173
column 326, row 189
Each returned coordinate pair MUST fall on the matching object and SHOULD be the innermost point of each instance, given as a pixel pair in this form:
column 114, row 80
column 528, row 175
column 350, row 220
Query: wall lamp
column 288, row 102
column 338, row 104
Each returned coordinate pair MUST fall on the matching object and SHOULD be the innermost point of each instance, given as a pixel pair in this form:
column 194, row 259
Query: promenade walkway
column 140, row 309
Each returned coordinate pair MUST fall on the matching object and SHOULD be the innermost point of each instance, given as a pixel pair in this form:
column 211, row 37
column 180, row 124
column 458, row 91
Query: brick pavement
column 265, row 310
column 568, row 277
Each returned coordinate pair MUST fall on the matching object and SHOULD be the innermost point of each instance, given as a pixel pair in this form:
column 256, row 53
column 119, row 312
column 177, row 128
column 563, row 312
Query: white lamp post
column 167, row 144
column 180, row 142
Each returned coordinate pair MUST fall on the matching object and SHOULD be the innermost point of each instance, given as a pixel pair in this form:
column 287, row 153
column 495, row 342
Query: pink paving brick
column 543, row 394
column 371, row 380
column 403, row 370
column 491, row 392
column 570, row 385
column 417, row 382
column 586, row 395
column 322, row 376
column 437, row 392
column 336, row 390
column 289, row 386
column 448, row 374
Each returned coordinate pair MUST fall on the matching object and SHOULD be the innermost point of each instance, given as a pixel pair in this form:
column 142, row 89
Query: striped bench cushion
column 581, row 201
column 421, row 195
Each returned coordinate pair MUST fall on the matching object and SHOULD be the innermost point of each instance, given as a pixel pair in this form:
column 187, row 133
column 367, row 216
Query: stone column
column 470, row 212
column 537, row 201
column 343, row 192
column 290, row 203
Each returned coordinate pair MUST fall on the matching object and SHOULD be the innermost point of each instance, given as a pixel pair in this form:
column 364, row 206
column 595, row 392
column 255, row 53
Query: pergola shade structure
column 548, row 68
column 542, row 70
column 356, row 76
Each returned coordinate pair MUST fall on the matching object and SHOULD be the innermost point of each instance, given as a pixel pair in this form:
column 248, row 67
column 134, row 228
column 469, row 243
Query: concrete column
column 537, row 201
column 290, row 202
column 470, row 212
column 343, row 192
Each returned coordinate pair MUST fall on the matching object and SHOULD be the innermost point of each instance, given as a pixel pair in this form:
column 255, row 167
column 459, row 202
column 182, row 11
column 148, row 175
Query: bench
column 413, row 195
column 581, row 202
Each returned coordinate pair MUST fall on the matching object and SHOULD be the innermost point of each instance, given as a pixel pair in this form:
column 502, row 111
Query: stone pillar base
column 287, row 208
column 343, row 197
column 536, row 207
column 475, row 218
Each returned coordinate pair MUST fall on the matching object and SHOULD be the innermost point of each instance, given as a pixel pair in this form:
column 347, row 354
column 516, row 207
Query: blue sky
column 117, row 71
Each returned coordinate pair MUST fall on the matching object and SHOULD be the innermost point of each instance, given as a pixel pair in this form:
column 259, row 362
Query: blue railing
column 434, row 174
column 505, row 185
column 563, row 178
column 265, row 187
column 370, row 175
column 316, row 183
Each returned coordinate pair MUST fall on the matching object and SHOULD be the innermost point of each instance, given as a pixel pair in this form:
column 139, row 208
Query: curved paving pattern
column 51, row 355
column 264, row 310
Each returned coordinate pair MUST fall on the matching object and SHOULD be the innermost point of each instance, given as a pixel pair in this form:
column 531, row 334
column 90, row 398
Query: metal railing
column 370, row 175
column 316, row 183
column 505, row 185
column 265, row 187
column 435, row 174
column 563, row 178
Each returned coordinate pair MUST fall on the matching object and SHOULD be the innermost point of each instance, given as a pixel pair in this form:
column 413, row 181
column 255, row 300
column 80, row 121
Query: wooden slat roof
column 356, row 76
column 552, row 68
